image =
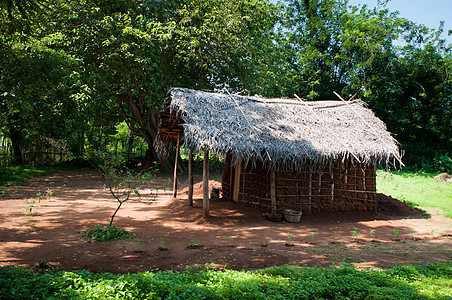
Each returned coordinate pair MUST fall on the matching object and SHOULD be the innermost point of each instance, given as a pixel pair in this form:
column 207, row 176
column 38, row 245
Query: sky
column 427, row 12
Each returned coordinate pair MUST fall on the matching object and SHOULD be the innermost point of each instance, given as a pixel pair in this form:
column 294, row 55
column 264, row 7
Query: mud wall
column 341, row 186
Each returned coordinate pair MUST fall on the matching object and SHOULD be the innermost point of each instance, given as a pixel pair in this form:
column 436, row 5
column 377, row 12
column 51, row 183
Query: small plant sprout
column 230, row 239
column 411, row 233
column 192, row 243
column 396, row 233
column 29, row 209
column 372, row 234
column 334, row 235
column 265, row 240
column 289, row 239
column 312, row 234
column 355, row 233
column 137, row 244
column 49, row 193
column 162, row 245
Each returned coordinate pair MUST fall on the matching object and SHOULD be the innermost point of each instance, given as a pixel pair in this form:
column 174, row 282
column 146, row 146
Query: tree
column 333, row 46
column 31, row 75
column 121, row 182
column 134, row 51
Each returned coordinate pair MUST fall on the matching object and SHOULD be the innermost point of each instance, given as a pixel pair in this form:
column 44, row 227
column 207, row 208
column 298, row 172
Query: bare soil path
column 234, row 237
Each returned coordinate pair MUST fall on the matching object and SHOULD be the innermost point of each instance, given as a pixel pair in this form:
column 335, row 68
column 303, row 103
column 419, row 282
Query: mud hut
column 285, row 153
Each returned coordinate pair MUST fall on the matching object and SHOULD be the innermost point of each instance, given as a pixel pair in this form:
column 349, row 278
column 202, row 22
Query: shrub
column 433, row 281
column 107, row 233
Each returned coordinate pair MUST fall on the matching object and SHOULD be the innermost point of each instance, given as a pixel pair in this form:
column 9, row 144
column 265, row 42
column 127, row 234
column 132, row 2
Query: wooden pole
column 190, row 177
column 310, row 190
column 236, row 183
column 205, row 184
column 320, row 181
column 332, row 183
column 176, row 165
column 273, row 189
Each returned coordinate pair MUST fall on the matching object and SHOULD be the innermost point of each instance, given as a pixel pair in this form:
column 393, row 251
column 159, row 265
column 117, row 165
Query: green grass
column 282, row 282
column 19, row 174
column 417, row 189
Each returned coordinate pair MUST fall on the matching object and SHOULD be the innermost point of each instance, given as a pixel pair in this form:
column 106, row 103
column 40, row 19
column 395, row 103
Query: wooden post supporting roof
column 176, row 165
column 273, row 189
column 205, row 185
column 190, row 177
column 310, row 190
column 236, row 181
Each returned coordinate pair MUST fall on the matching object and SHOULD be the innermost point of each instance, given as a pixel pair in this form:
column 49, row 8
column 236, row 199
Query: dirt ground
column 233, row 237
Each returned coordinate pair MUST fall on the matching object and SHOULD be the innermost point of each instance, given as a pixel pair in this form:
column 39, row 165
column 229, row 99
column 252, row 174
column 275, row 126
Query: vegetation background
column 93, row 74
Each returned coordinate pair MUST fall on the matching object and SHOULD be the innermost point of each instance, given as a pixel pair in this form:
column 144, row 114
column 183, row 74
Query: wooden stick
column 176, row 165
column 205, row 185
column 236, row 183
column 310, row 192
column 272, row 189
column 332, row 182
column 320, row 181
column 190, row 177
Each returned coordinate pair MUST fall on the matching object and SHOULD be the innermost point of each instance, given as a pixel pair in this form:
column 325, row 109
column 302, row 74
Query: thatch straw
column 283, row 132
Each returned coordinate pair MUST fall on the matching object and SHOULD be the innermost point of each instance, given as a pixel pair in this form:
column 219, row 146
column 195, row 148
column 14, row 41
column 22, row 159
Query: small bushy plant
column 106, row 234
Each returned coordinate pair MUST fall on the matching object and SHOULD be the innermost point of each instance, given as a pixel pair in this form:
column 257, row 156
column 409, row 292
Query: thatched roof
column 283, row 132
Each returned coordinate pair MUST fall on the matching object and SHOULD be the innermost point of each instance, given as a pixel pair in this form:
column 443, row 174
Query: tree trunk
column 144, row 123
column 164, row 160
column 15, row 137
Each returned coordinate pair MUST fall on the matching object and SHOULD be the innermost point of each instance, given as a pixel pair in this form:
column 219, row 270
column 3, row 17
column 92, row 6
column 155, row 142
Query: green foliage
column 443, row 163
column 106, row 234
column 282, row 282
column 416, row 188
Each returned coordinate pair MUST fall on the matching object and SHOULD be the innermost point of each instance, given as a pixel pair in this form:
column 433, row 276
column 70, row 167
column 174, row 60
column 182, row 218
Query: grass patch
column 106, row 234
column 283, row 282
column 417, row 189
column 19, row 174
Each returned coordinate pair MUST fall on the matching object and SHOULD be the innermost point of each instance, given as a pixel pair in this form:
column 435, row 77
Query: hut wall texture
column 342, row 186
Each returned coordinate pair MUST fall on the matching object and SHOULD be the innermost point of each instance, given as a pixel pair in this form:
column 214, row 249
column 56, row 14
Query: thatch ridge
column 283, row 132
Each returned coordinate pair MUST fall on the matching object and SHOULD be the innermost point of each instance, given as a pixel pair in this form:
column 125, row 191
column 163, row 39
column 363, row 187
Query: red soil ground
column 233, row 237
